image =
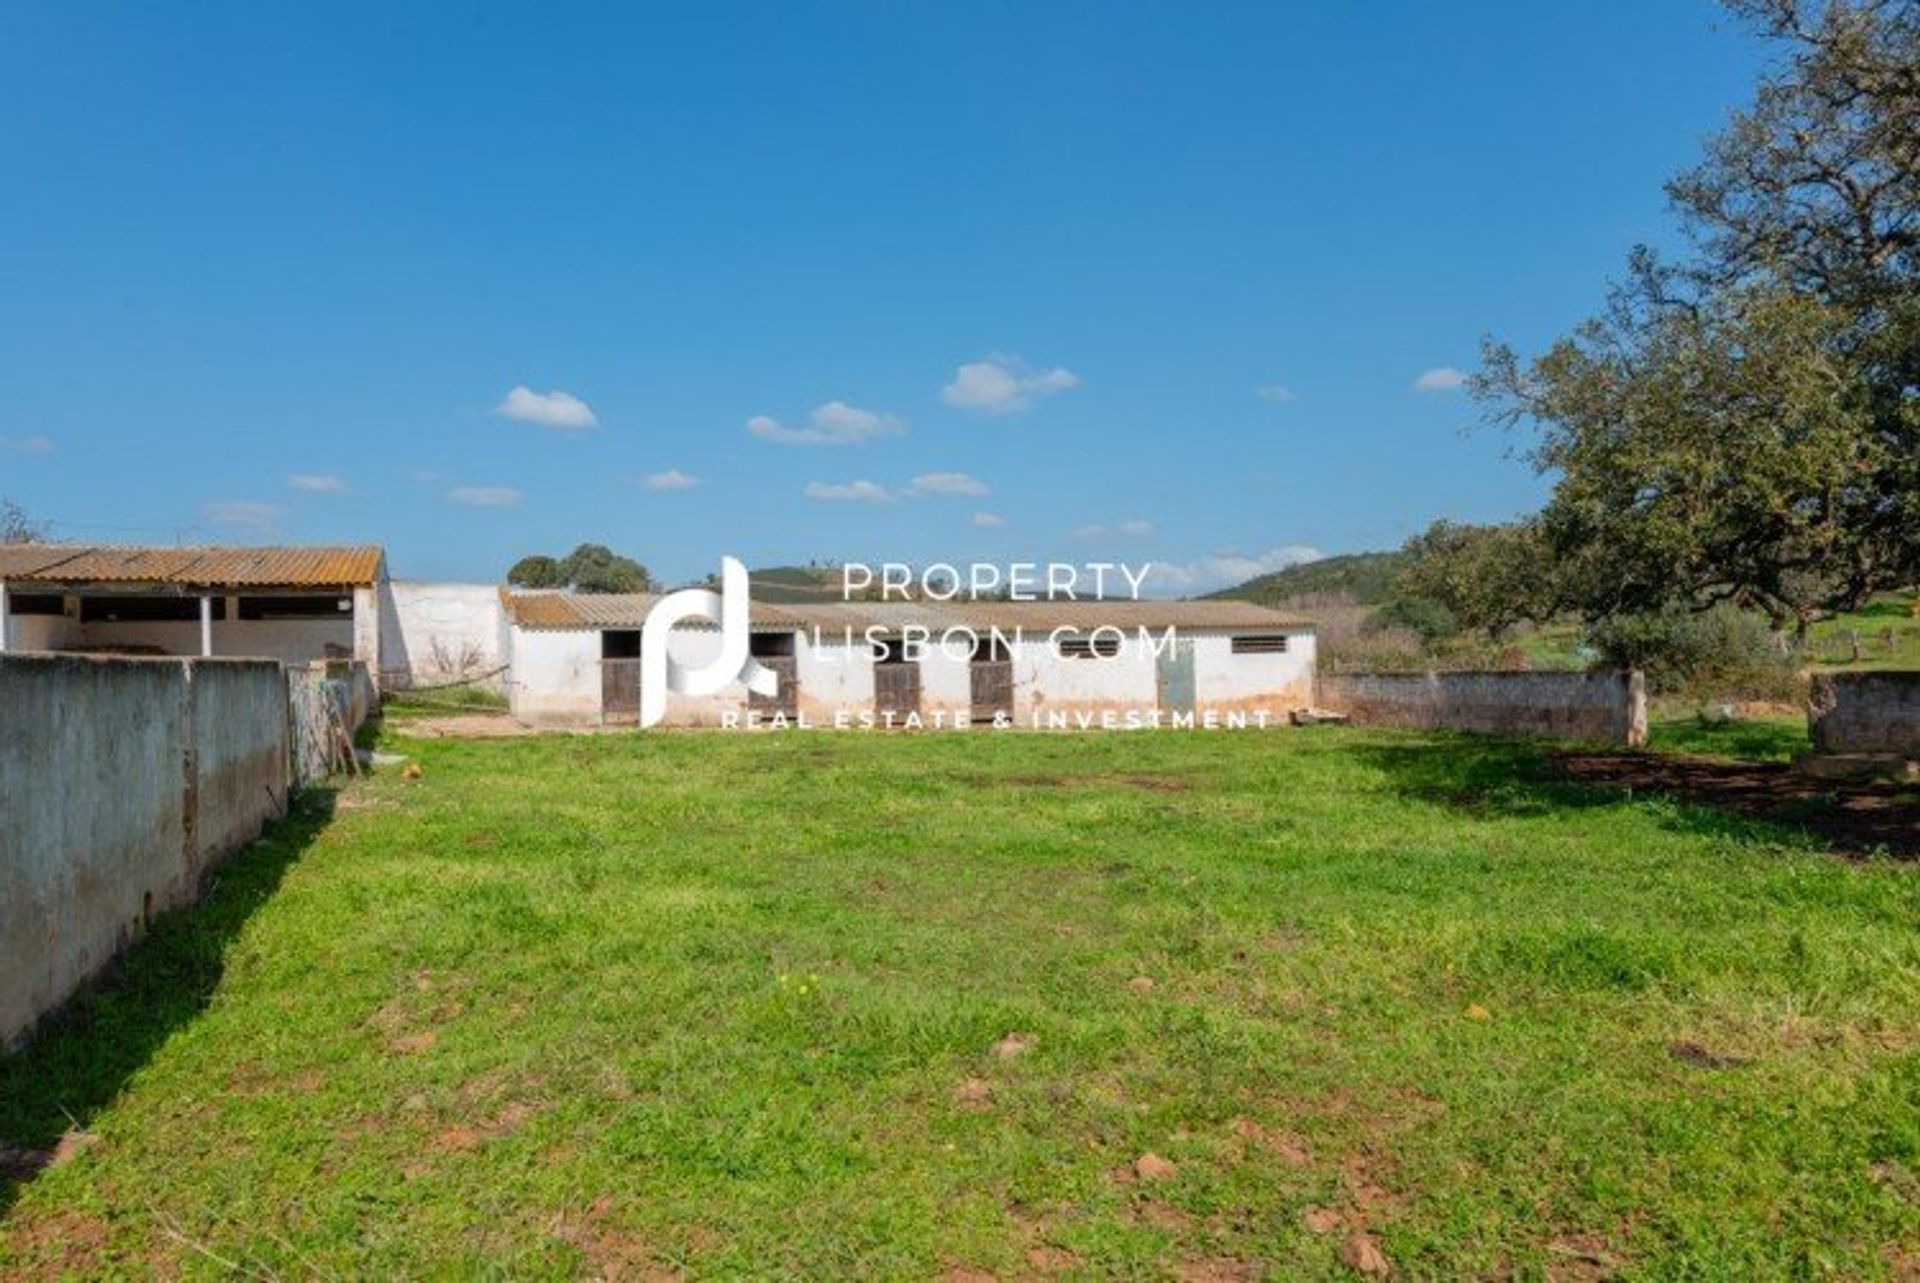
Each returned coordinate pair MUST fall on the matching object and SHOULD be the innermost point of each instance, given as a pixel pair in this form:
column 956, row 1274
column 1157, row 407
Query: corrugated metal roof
column 559, row 610
column 191, row 567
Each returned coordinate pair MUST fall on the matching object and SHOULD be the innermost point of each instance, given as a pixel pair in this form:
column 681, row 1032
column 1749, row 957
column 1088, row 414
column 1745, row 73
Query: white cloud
column 486, row 496
column 847, row 492
column 555, row 409
column 1119, row 530
column 953, row 483
column 1004, row 385
column 989, row 520
column 316, row 483
column 26, row 445
column 1171, row 579
column 1442, row 378
column 254, row 515
column 671, row 479
column 835, row 423
column 1278, row 393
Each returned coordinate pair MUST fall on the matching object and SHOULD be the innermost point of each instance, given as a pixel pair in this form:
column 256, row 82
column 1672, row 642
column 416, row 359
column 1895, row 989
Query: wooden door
column 896, row 689
column 619, row 691
column 787, row 700
column 992, row 681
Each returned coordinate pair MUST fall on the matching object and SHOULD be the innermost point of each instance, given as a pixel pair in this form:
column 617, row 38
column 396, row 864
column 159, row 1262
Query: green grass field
column 1191, row 1006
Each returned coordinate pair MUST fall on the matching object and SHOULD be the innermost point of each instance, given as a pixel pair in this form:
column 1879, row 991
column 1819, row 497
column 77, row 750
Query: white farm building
column 1049, row 665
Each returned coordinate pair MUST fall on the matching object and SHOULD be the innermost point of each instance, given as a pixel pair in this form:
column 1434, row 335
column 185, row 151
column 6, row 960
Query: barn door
column 896, row 683
column 1173, row 674
column 991, row 676
column 620, row 677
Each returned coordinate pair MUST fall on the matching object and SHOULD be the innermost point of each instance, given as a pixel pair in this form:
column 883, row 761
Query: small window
column 891, row 651
column 36, row 603
column 620, row 643
column 1098, row 646
column 329, row 607
column 1263, row 644
column 129, row 610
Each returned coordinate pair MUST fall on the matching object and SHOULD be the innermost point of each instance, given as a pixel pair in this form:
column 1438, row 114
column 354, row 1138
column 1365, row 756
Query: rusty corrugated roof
column 77, row 564
column 563, row 610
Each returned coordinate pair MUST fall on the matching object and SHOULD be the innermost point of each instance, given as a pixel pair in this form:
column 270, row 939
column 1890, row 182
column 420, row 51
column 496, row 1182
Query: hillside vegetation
column 1364, row 577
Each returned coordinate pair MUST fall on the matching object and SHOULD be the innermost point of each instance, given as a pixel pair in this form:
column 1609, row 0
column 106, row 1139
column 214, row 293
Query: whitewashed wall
column 1277, row 684
column 834, row 676
column 290, row 641
column 439, row 632
column 1045, row 682
column 555, row 677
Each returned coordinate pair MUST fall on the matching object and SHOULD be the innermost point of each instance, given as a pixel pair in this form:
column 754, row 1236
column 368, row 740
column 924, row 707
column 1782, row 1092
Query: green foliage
column 1744, row 426
column 1366, row 578
column 590, row 568
column 1699, row 652
column 1428, row 620
column 595, row 568
column 525, row 1017
column 537, row 571
column 1486, row 578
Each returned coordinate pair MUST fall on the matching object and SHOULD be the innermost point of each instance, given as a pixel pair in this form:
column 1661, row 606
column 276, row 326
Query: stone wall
column 123, row 782
column 1598, row 708
column 1877, row 713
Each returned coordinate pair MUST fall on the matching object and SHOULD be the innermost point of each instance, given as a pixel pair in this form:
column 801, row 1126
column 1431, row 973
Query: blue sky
column 1111, row 280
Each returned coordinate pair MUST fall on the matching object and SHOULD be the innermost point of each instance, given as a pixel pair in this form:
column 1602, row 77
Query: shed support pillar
column 6, row 620
column 206, row 625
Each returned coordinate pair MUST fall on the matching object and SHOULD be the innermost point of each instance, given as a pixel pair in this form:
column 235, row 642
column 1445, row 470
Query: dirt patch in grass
column 464, row 726
column 612, row 1252
column 1855, row 817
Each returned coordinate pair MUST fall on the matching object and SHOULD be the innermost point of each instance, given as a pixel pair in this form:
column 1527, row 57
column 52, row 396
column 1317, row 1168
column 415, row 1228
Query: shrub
column 1721, row 651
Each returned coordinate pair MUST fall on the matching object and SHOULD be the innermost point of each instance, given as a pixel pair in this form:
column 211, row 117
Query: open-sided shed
column 293, row 604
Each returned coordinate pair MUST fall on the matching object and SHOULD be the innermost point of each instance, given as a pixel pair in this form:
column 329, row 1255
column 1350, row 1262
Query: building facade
column 576, row 661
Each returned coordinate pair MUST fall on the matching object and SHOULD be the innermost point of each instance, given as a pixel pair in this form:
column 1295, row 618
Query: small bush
column 1722, row 651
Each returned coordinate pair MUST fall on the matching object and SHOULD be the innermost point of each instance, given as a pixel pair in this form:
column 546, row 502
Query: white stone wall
column 432, row 633
column 290, row 641
column 556, row 677
column 833, row 676
column 1045, row 682
column 1277, row 684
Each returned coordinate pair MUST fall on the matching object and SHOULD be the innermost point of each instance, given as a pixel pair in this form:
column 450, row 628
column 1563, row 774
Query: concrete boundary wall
column 1869, row 713
column 1598, row 708
column 123, row 783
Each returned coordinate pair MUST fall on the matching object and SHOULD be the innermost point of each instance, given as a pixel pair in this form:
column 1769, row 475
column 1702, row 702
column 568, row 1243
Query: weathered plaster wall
column 555, row 677
column 1877, row 713
column 1045, row 682
column 122, row 782
column 1600, row 708
column 42, row 632
column 832, row 676
column 431, row 633
column 288, row 641
column 1275, row 684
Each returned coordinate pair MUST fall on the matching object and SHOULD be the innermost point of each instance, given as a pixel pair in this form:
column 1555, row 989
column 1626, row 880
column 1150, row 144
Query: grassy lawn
column 1759, row 739
column 1202, row 1006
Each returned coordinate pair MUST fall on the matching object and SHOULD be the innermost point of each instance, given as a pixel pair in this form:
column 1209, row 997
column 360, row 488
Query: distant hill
column 795, row 585
column 1367, row 577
